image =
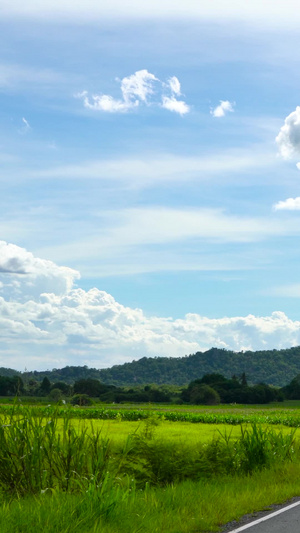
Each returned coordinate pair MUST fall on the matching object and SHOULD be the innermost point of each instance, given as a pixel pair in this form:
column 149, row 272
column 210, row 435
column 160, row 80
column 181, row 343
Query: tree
column 204, row 394
column 244, row 380
column 45, row 386
column 62, row 386
column 91, row 387
column 81, row 399
column 55, row 395
column 292, row 390
column 10, row 386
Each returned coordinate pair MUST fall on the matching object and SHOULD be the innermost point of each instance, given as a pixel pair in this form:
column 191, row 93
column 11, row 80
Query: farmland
column 141, row 469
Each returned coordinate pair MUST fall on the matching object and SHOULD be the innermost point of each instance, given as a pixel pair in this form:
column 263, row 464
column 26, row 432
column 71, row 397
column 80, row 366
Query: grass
column 289, row 417
column 65, row 474
column 187, row 507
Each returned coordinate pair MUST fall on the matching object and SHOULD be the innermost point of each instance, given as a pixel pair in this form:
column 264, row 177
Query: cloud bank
column 140, row 88
column 261, row 13
column 46, row 321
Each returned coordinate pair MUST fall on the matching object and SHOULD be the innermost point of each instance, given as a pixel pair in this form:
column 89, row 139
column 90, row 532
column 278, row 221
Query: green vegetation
column 211, row 389
column 62, row 475
column 274, row 367
column 186, row 507
column 135, row 459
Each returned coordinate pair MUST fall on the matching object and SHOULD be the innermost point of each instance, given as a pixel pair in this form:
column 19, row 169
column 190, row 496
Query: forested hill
column 274, row 367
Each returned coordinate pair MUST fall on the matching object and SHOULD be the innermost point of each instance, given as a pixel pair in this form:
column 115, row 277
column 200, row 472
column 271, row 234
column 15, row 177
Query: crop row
column 290, row 419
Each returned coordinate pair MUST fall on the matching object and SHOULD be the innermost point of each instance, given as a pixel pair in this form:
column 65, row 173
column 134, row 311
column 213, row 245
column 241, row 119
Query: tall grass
column 161, row 462
column 36, row 455
column 58, row 477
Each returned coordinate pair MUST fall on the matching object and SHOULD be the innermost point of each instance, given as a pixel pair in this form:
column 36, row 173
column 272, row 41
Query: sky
column 149, row 179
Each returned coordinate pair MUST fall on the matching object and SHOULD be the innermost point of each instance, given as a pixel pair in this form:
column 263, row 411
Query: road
column 284, row 520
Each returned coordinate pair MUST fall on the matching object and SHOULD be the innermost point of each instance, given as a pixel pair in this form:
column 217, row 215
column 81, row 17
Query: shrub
column 204, row 394
column 81, row 399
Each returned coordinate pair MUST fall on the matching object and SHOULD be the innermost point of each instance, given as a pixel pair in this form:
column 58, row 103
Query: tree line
column 210, row 389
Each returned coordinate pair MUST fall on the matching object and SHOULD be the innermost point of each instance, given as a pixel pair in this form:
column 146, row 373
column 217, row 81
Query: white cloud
column 22, row 274
column 157, row 239
column 43, row 328
column 264, row 13
column 221, row 110
column 138, row 85
column 137, row 89
column 151, row 225
column 288, row 139
column 286, row 291
column 174, row 85
column 290, row 204
column 106, row 103
column 12, row 75
column 148, row 169
column 178, row 106
column 25, row 128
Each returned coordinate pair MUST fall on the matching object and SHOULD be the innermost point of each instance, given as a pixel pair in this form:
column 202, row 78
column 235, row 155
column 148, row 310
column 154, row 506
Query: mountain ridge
column 274, row 367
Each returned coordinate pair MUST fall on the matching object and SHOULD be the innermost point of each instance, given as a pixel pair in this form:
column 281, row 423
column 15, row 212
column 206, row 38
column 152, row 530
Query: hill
column 274, row 367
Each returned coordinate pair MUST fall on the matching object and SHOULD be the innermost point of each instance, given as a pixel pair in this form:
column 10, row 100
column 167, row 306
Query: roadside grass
column 186, row 507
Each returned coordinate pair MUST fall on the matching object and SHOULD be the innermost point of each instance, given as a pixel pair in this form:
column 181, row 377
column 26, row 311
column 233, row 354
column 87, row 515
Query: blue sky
column 149, row 187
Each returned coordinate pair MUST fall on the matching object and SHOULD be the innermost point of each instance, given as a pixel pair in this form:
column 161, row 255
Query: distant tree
column 91, row 387
column 11, row 386
column 33, row 387
column 292, row 390
column 55, row 395
column 45, row 386
column 62, row 386
column 200, row 393
column 81, row 399
column 244, row 380
column 212, row 379
column 204, row 394
column 158, row 396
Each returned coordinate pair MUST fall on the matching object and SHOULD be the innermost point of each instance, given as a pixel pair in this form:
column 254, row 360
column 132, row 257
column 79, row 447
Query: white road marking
column 242, row 528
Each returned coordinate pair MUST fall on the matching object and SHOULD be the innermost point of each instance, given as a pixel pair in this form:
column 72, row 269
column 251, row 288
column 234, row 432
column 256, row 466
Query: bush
column 204, row 394
column 55, row 395
column 81, row 399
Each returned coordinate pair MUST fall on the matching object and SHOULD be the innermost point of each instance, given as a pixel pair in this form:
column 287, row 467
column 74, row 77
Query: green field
column 135, row 469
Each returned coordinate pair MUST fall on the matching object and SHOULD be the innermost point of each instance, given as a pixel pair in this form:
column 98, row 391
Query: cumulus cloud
column 224, row 107
column 290, row 204
column 138, row 85
column 178, row 106
column 142, row 87
column 288, row 139
column 22, row 275
column 46, row 321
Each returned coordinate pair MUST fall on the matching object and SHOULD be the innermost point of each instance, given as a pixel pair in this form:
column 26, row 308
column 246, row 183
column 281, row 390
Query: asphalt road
column 284, row 520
